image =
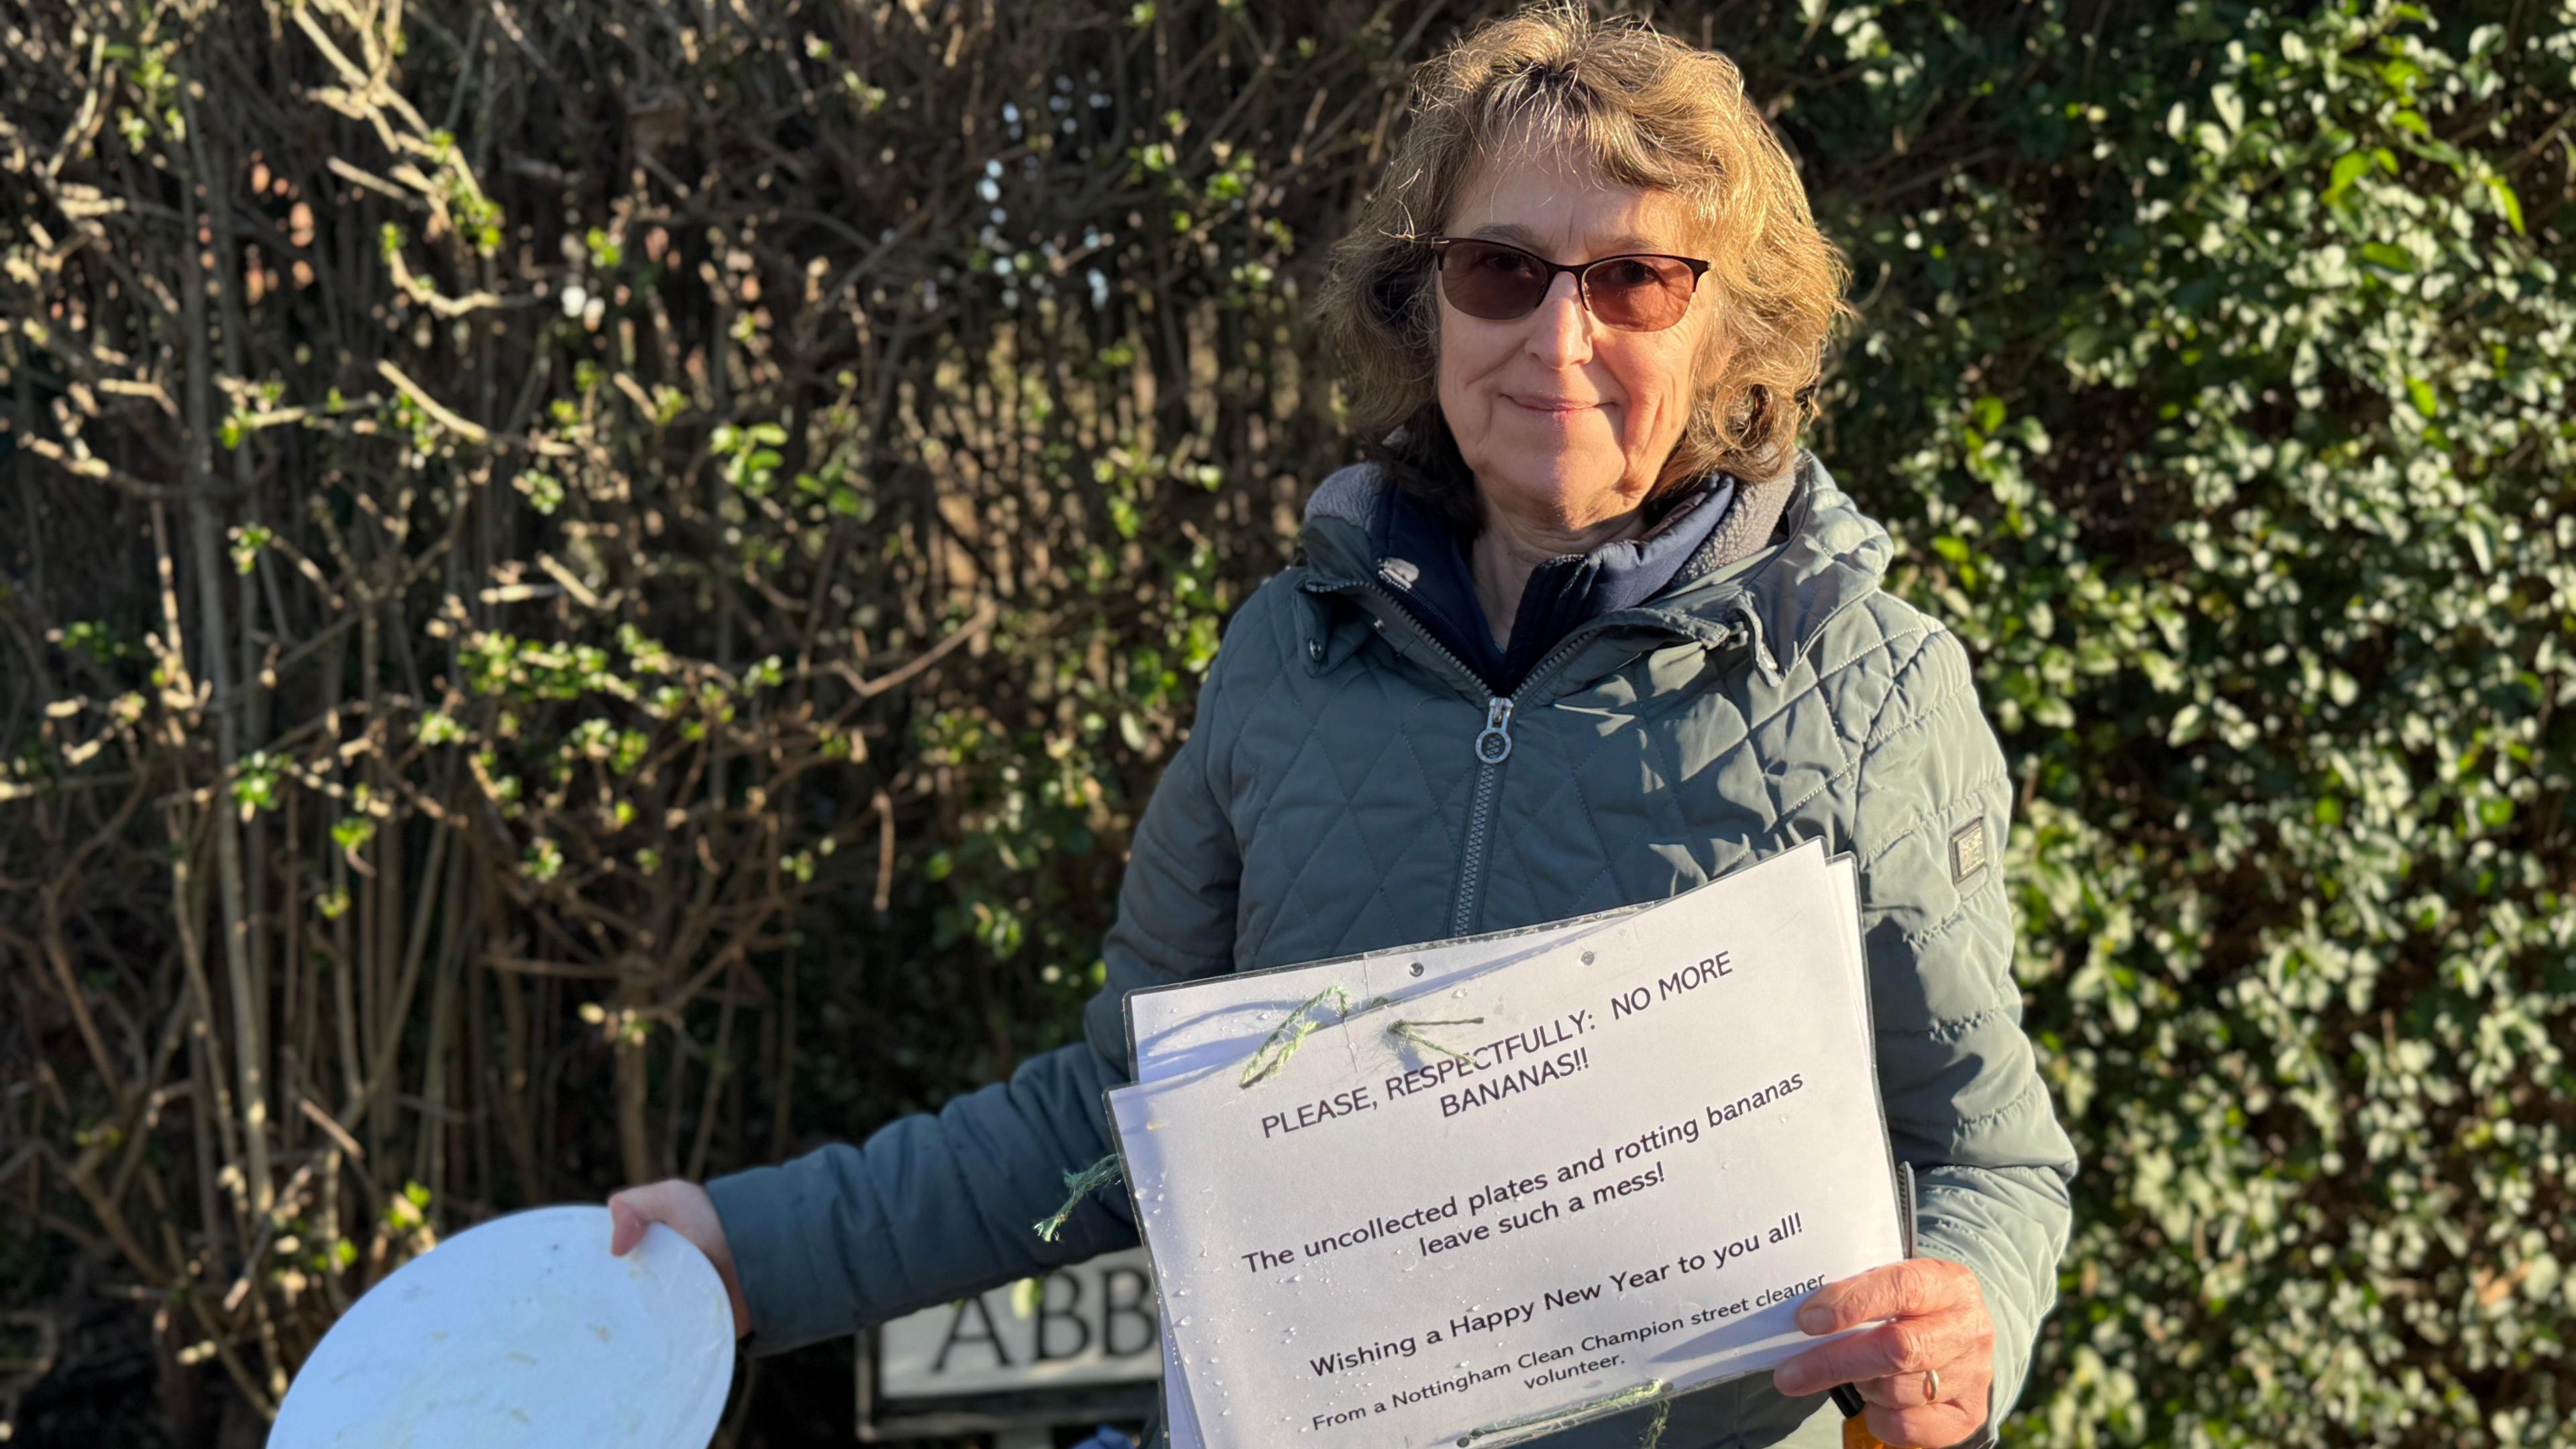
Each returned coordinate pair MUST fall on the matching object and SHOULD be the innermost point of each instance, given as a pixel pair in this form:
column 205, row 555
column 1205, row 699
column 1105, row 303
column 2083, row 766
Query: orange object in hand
column 1856, row 1435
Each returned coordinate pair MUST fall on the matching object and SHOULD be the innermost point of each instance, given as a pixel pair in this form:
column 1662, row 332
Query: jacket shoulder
column 1262, row 639
column 1269, row 621
column 1881, row 639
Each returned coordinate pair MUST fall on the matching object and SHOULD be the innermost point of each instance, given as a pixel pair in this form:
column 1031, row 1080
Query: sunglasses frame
column 1440, row 246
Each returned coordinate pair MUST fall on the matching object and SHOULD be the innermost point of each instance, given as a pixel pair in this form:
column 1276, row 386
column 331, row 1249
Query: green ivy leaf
column 2230, row 106
column 2507, row 203
column 2420, row 393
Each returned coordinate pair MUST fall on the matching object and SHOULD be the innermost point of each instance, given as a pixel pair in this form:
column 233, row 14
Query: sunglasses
column 1641, row 292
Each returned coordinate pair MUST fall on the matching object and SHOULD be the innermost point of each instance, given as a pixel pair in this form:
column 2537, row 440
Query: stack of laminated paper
column 1474, row 1192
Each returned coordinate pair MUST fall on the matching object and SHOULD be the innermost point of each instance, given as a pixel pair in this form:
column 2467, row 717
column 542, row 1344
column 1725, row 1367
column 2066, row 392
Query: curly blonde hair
column 1647, row 111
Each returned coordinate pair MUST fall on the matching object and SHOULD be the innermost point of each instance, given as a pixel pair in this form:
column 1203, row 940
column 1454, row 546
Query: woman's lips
column 1549, row 405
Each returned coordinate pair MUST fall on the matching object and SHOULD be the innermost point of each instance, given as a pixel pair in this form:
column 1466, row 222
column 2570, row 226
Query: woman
column 1588, row 630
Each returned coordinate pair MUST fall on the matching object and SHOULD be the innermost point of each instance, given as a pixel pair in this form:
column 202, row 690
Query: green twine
column 1625, row 1398
column 1655, row 1425
column 1303, row 1019
column 1077, row 1186
column 1285, row 1038
column 1273, row 1054
column 1412, row 1031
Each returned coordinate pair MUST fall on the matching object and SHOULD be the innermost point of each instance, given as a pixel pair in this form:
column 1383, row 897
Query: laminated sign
column 1472, row 1193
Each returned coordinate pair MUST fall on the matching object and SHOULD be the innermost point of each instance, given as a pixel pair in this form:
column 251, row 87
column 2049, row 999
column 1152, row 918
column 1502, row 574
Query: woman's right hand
column 684, row 1208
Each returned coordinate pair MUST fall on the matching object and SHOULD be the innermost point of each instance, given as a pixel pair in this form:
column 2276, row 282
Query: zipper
column 1493, row 746
column 1493, row 743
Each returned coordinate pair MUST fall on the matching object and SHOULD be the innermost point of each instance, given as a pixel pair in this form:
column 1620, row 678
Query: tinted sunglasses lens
column 1492, row 282
column 1639, row 294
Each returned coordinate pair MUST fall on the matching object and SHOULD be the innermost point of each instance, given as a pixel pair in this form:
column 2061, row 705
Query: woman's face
column 1565, row 421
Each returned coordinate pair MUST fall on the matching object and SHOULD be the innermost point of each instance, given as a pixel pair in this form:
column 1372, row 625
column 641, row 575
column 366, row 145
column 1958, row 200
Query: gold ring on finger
column 1931, row 1386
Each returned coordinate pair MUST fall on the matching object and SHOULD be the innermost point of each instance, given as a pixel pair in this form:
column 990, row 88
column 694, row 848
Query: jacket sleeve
column 937, row 1206
column 1965, row 1102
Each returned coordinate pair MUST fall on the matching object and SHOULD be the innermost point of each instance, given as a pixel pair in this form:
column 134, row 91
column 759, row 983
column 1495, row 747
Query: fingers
column 1900, row 1391
column 1906, row 1346
column 1936, row 1318
column 1914, row 1391
column 1915, row 1286
column 684, row 1208
column 669, row 1203
column 1943, row 1423
column 627, row 1219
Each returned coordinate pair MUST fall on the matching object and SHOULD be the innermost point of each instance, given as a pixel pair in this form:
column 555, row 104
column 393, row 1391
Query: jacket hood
column 1826, row 556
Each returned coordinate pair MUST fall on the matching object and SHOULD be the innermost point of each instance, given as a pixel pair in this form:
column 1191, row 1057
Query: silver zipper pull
column 1494, row 744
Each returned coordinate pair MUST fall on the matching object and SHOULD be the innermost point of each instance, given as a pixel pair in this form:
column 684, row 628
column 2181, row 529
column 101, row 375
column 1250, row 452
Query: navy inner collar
column 1424, row 564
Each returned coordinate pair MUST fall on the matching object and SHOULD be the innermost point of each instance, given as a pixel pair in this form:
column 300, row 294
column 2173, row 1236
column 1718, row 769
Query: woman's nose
column 1560, row 332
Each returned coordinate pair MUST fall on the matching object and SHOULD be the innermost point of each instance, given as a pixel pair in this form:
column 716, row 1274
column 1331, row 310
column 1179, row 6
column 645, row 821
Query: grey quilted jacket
column 1333, row 798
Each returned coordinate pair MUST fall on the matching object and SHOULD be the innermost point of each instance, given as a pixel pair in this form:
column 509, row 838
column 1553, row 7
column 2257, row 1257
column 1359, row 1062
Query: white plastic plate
column 524, row 1332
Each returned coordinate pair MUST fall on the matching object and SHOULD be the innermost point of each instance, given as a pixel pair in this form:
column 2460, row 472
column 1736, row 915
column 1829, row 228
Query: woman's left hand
column 1938, row 1322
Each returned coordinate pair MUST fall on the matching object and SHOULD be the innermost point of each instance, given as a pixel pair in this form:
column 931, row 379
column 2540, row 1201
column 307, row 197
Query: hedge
column 592, row 588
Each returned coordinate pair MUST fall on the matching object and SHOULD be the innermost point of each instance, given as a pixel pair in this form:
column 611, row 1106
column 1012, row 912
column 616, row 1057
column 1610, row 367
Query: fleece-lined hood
column 1791, row 555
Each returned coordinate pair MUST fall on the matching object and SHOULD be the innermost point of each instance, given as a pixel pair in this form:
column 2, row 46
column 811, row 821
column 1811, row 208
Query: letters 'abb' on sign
column 1080, row 1346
